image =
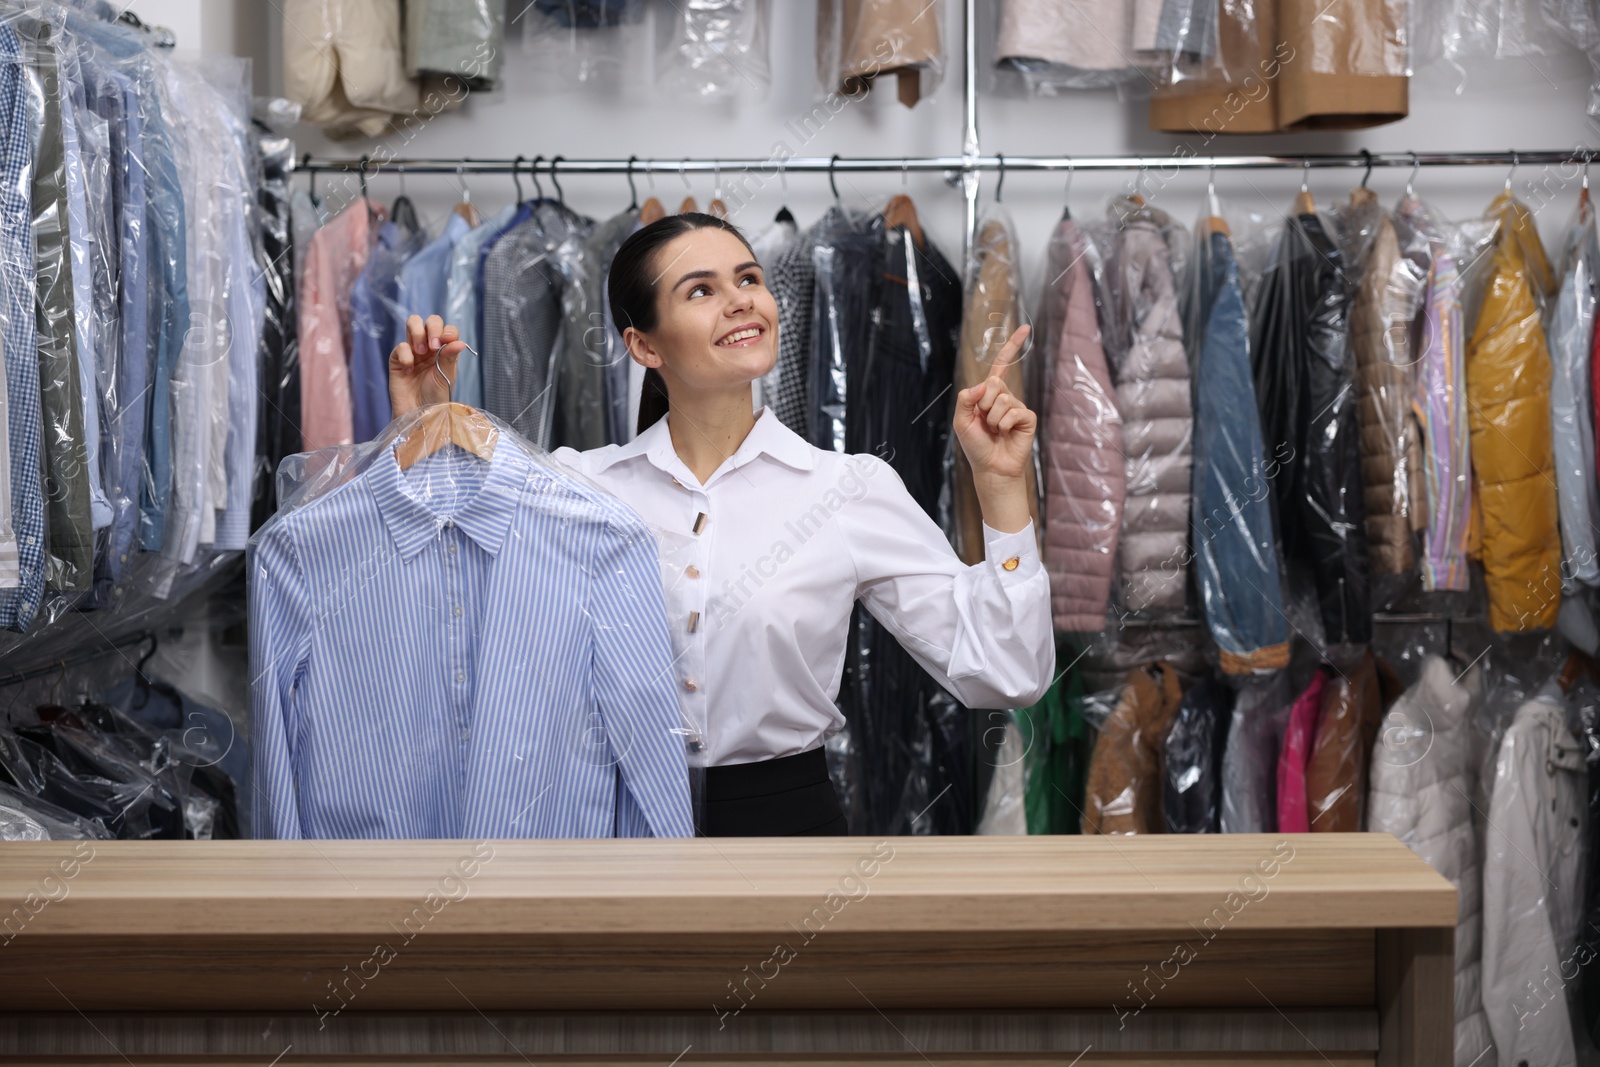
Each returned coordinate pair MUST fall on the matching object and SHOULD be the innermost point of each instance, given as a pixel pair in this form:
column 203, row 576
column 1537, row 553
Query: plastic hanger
column 466, row 208
column 717, row 207
column 653, row 210
column 689, row 203
column 404, row 212
column 533, row 172
column 633, row 192
column 1411, row 179
column 372, row 212
column 1303, row 204
column 449, row 423
column 900, row 211
column 1214, row 222
column 1583, row 190
column 784, row 214
column 831, row 185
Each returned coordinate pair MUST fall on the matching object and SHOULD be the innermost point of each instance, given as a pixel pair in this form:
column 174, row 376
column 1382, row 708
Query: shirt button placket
column 456, row 629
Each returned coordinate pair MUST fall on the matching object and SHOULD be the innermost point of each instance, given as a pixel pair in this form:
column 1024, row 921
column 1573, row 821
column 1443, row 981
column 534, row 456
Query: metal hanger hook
column 362, row 170
column 783, row 179
column 1587, row 155
column 905, row 168
column 461, row 180
column 999, row 182
column 1211, row 179
column 533, row 172
column 1513, row 169
column 1305, row 175
column 1072, row 168
column 831, row 184
column 516, row 176
column 716, row 179
column 402, row 169
column 686, row 186
column 1368, row 157
column 1411, row 179
column 561, row 197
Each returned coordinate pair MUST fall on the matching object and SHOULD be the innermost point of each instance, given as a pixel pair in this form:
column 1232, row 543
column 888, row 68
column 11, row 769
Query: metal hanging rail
column 957, row 164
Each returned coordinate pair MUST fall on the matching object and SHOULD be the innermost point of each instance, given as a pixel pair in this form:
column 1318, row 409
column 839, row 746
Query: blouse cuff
column 1014, row 556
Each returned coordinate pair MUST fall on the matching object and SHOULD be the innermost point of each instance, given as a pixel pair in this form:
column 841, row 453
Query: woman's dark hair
column 631, row 288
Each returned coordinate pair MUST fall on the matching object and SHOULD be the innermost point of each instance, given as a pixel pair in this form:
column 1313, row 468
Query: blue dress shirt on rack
column 463, row 649
column 20, row 601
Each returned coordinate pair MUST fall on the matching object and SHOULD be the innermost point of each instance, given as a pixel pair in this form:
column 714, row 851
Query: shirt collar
column 769, row 436
column 485, row 517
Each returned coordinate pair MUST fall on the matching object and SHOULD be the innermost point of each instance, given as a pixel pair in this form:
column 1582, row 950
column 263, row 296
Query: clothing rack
column 80, row 659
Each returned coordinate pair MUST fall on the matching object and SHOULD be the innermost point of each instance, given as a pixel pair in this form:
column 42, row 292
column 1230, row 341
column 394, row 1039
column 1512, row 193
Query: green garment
column 1058, row 741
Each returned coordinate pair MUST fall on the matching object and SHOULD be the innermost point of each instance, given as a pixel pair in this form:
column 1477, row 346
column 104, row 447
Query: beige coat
column 342, row 63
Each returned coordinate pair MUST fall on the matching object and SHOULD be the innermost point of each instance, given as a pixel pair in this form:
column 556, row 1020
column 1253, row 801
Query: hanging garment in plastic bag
column 1305, row 389
column 1235, row 550
column 714, row 49
column 27, row 818
column 1588, row 955
column 1222, row 62
column 1571, row 338
column 278, row 428
column 792, row 279
column 462, row 42
column 1293, row 815
column 1535, row 854
column 1351, row 64
column 1192, row 760
column 859, row 41
column 1083, row 436
column 582, row 41
column 886, row 303
column 1421, row 791
column 342, row 64
column 499, row 621
column 1440, row 400
column 1250, row 756
column 374, row 312
column 1124, row 791
column 1508, row 377
column 532, row 279
column 1050, row 48
column 1353, row 702
column 847, row 261
column 1142, row 330
column 1058, row 744
column 588, row 413
column 1386, row 302
column 990, row 316
column 1004, row 805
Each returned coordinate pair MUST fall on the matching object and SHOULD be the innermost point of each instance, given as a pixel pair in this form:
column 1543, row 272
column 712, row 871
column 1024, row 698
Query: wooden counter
column 1326, row 948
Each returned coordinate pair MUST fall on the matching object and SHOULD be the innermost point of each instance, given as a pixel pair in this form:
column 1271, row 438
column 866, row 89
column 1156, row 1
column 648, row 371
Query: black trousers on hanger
column 784, row 797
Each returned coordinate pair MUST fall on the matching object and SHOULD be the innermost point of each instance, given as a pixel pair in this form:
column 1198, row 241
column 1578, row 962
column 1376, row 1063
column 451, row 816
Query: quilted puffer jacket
column 1143, row 331
column 1083, row 472
column 1508, row 402
column 1125, row 781
column 1385, row 305
column 1420, row 791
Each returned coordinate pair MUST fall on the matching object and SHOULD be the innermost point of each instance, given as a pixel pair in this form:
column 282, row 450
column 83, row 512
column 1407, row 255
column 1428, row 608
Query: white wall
column 1525, row 104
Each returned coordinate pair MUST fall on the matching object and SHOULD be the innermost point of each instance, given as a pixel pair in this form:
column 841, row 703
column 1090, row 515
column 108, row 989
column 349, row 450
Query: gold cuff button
column 1011, row 564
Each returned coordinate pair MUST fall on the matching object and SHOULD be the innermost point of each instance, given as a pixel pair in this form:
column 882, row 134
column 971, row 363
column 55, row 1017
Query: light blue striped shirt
column 463, row 649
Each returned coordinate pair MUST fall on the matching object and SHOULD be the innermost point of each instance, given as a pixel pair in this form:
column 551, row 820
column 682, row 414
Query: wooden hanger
column 717, row 208
column 1303, row 204
column 651, row 211
column 1215, row 224
column 449, row 423
column 688, row 205
column 900, row 211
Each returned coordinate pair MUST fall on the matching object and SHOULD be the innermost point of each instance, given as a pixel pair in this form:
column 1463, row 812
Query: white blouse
column 761, row 567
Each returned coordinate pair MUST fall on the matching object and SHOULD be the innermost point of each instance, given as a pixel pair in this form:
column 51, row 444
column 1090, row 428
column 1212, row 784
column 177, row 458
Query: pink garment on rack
column 335, row 258
column 1293, row 815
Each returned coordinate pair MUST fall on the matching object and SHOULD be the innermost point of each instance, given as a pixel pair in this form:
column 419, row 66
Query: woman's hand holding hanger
column 996, row 431
column 415, row 364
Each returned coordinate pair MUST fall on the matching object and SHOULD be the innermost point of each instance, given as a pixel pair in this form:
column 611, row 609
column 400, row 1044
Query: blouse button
column 692, row 571
column 699, row 522
column 690, row 684
column 1011, row 564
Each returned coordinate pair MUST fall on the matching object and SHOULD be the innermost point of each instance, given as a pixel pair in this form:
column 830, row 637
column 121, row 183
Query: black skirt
column 783, row 797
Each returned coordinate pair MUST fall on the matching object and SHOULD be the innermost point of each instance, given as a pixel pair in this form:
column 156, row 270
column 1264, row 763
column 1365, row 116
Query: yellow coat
column 1508, row 410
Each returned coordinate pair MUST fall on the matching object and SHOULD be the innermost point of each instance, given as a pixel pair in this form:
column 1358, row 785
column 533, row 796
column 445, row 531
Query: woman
column 766, row 541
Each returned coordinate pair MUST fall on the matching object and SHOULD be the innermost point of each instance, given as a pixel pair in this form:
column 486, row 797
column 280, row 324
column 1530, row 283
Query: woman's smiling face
column 717, row 319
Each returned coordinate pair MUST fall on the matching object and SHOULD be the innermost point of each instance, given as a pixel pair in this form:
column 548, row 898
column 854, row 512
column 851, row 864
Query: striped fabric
column 1441, row 407
column 19, row 603
column 464, row 649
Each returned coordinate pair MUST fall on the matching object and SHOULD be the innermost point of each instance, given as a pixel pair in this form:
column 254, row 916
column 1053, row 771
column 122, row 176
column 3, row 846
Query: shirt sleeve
column 280, row 639
column 983, row 631
column 635, row 685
